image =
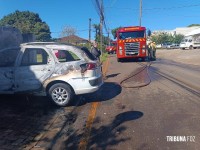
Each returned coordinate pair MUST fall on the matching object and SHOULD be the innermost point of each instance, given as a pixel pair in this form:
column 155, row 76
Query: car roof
column 57, row 46
column 52, row 45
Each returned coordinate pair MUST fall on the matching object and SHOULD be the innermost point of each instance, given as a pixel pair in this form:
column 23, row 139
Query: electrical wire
column 159, row 8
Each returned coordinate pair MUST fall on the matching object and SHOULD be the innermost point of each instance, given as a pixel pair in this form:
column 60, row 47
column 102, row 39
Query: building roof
column 73, row 39
column 193, row 32
column 186, row 31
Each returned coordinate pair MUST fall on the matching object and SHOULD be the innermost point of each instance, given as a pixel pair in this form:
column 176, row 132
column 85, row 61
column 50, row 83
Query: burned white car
column 59, row 71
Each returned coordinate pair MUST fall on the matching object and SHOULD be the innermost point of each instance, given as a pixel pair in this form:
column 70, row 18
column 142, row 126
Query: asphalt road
column 141, row 106
column 147, row 117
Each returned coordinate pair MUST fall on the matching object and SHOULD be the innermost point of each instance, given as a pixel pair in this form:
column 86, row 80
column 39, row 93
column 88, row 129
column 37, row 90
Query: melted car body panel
column 36, row 66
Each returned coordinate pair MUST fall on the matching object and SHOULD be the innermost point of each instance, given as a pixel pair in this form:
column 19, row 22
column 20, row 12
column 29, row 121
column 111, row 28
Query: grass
column 103, row 57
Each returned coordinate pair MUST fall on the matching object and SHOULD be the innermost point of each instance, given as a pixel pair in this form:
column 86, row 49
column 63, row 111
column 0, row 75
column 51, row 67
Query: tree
column 114, row 32
column 178, row 38
column 97, row 31
column 28, row 22
column 192, row 25
column 166, row 38
column 67, row 31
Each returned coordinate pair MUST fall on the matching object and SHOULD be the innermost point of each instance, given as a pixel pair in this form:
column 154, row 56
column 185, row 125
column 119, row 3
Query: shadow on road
column 107, row 92
column 106, row 136
column 23, row 118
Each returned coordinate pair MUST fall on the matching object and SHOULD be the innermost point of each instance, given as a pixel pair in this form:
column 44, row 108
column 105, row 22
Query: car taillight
column 91, row 66
column 87, row 66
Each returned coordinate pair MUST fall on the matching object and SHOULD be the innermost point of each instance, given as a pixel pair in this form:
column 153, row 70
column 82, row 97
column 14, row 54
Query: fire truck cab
column 131, row 43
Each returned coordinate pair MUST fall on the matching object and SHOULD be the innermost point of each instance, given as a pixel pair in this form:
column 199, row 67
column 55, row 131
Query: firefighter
column 149, row 48
column 153, row 48
column 95, row 51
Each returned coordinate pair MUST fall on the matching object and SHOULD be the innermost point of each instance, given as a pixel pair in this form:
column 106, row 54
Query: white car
column 173, row 46
column 56, row 70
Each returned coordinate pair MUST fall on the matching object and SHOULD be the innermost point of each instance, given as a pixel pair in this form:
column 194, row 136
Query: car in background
column 165, row 45
column 170, row 46
column 173, row 46
column 56, row 70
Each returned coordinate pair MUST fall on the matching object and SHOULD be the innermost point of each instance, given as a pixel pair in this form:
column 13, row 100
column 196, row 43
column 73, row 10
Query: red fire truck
column 111, row 49
column 131, row 43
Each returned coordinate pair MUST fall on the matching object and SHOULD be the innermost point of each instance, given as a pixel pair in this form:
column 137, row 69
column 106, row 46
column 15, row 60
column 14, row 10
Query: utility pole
column 90, row 30
column 140, row 17
column 108, row 36
column 101, row 26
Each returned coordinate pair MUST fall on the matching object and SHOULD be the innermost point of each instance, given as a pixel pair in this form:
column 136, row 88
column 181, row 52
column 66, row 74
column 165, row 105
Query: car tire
column 61, row 94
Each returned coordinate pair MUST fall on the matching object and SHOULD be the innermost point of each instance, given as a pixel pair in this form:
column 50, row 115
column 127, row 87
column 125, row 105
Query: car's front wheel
column 190, row 47
column 61, row 94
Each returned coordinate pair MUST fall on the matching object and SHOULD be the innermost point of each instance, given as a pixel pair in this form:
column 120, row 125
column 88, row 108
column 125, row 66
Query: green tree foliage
column 167, row 38
column 178, row 38
column 105, row 40
column 97, row 30
column 28, row 22
column 192, row 25
column 114, row 32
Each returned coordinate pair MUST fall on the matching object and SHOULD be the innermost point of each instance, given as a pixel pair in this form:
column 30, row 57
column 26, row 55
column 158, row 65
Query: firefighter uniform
column 150, row 53
column 153, row 49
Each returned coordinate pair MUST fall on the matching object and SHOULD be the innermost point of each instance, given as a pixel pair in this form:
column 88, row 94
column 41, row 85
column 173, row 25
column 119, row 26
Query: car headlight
column 120, row 50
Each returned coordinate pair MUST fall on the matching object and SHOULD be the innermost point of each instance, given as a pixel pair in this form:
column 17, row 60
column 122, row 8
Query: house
column 180, row 30
column 73, row 39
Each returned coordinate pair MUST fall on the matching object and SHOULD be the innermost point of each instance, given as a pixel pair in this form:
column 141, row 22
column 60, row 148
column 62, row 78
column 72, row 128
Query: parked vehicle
column 191, row 40
column 173, row 46
column 111, row 49
column 166, row 45
column 56, row 70
column 131, row 43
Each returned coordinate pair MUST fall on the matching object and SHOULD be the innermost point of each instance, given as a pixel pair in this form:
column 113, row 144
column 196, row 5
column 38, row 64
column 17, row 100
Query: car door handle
column 45, row 69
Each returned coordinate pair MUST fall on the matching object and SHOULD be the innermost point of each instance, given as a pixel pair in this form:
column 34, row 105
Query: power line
column 175, row 7
column 159, row 8
column 100, row 11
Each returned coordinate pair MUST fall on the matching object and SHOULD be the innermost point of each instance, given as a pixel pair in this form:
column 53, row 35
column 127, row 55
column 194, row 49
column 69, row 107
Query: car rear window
column 88, row 53
column 65, row 56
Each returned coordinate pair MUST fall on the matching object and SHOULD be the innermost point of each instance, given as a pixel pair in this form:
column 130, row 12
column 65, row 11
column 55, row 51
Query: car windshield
column 130, row 35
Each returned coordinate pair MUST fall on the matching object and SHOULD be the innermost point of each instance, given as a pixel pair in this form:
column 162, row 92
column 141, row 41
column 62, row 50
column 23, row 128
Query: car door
column 35, row 67
column 7, row 66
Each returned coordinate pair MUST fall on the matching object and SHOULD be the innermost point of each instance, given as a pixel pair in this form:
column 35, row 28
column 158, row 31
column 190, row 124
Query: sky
column 156, row 14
